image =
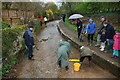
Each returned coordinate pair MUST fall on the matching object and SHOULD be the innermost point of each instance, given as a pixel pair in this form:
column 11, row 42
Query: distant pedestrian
column 63, row 54
column 45, row 20
column 63, row 17
column 79, row 27
column 90, row 30
column 29, row 41
column 110, row 32
column 102, row 19
column 116, row 45
column 41, row 19
column 103, row 39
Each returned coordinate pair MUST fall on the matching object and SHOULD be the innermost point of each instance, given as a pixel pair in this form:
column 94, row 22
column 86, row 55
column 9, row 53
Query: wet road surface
column 45, row 64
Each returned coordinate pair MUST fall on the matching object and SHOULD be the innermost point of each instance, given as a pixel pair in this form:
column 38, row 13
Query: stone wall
column 17, row 45
column 16, row 14
column 15, row 17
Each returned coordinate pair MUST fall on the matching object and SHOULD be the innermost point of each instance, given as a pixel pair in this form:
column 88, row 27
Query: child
column 103, row 40
column 82, row 33
column 116, row 45
column 90, row 30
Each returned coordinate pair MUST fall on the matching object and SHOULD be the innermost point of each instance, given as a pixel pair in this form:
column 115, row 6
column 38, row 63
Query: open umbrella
column 75, row 16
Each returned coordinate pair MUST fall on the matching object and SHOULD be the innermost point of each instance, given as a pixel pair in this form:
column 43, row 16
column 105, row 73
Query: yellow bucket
column 77, row 66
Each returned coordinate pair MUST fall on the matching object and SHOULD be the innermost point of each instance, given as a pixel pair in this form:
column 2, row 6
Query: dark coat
column 110, row 32
column 28, row 37
column 79, row 24
column 103, row 37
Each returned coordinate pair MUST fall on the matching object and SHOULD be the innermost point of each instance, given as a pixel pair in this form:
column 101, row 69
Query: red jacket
column 41, row 18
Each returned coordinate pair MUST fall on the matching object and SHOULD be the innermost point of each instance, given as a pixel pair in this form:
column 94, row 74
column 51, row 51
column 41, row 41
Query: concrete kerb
column 100, row 61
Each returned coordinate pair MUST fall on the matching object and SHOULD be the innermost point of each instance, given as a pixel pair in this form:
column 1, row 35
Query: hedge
column 9, row 35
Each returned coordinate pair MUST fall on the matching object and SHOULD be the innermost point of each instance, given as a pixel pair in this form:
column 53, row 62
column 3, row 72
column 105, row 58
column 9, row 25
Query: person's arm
column 59, row 55
column 60, row 43
column 77, row 24
column 68, row 52
column 24, row 35
column 81, row 25
column 32, row 41
column 86, row 30
column 31, row 38
column 99, row 31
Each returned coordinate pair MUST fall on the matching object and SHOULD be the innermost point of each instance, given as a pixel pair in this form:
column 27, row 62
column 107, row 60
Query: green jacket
column 86, row 52
column 63, row 53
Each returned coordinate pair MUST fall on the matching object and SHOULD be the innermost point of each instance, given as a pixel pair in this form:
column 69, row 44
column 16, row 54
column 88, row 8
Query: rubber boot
column 66, row 68
column 114, row 56
column 59, row 63
column 30, row 58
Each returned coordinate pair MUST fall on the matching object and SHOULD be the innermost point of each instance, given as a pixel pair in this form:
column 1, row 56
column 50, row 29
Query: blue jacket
column 91, row 28
column 28, row 37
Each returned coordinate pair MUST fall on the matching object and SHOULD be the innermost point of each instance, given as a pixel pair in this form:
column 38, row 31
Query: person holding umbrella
column 63, row 17
column 79, row 27
column 90, row 30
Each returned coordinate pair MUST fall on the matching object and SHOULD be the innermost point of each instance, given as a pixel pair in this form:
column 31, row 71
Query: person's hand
column 83, row 32
column 33, row 46
column 61, row 40
column 107, row 39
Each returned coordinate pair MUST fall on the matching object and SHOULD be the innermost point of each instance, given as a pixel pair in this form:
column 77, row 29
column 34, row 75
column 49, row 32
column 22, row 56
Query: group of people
column 107, row 39
column 64, row 51
column 106, row 35
column 43, row 19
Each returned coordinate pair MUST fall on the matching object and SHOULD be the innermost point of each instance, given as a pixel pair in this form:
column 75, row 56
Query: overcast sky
column 57, row 2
